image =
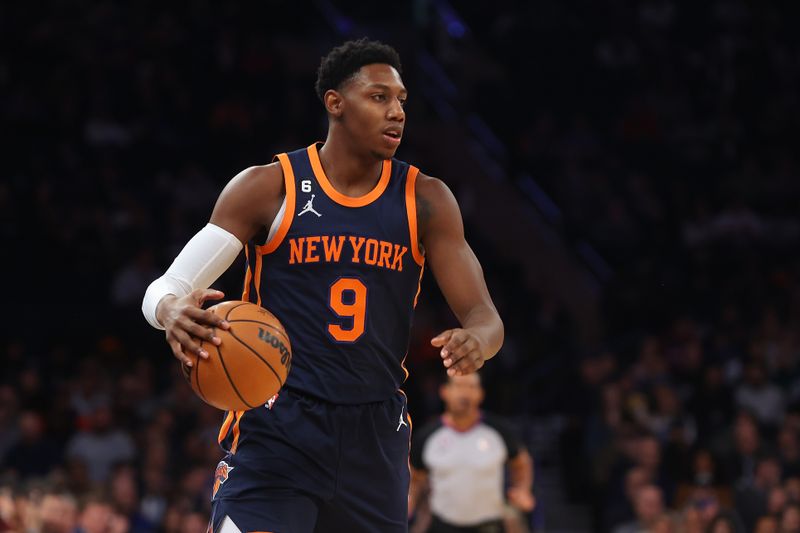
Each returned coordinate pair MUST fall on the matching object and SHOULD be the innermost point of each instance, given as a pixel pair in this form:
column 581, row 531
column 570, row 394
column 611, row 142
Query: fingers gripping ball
column 251, row 363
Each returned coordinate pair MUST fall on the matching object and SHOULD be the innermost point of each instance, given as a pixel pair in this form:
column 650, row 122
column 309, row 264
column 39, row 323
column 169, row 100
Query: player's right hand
column 186, row 322
column 522, row 499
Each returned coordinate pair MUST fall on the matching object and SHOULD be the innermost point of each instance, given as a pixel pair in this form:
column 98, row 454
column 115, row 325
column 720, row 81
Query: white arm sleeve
column 204, row 258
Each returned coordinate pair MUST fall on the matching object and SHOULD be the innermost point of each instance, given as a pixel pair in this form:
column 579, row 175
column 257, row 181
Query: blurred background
column 627, row 179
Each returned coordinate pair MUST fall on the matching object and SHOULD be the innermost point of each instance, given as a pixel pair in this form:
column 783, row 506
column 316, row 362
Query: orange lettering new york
column 328, row 249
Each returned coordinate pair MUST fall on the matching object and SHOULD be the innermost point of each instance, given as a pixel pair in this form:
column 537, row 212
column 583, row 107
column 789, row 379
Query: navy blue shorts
column 307, row 465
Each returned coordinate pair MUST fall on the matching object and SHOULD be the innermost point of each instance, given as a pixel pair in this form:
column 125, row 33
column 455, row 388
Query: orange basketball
column 249, row 366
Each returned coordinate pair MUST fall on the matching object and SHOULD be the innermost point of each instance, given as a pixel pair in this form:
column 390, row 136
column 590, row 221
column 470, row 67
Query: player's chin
column 383, row 153
column 387, row 149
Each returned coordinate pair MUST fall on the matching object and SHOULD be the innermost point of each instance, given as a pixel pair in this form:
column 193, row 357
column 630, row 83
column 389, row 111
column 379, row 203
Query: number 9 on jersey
column 348, row 300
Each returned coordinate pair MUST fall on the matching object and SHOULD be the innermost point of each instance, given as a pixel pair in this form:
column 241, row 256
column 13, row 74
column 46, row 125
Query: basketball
column 249, row 366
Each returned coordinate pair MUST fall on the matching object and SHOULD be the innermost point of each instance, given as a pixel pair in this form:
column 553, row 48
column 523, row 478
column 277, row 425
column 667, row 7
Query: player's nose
column 396, row 111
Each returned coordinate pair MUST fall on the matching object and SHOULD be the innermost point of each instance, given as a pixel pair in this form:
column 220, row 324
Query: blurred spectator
column 789, row 451
column 647, row 455
column 90, row 392
column 194, row 523
column 97, row 516
column 622, row 510
column 767, row 524
column 703, row 481
column 8, row 514
column 58, row 513
column 726, row 522
column 792, row 487
column 790, row 519
column 101, row 446
column 125, row 499
column 776, row 500
column 712, row 403
column 35, row 454
column 649, row 509
column 154, row 498
column 752, row 497
column 759, row 396
column 703, row 507
column 740, row 461
column 668, row 421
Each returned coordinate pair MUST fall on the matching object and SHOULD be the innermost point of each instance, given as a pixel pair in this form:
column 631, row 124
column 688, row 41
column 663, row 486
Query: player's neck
column 462, row 422
column 351, row 172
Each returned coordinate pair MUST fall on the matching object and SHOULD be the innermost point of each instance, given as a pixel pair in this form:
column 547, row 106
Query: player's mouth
column 393, row 135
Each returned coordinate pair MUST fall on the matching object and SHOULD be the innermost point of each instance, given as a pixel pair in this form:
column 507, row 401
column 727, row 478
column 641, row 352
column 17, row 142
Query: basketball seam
column 234, row 307
column 278, row 330
column 280, row 381
column 225, row 368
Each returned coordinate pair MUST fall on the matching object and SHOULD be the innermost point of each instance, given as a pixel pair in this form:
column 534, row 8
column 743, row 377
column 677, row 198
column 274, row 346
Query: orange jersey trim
column 248, row 276
column 411, row 211
column 288, row 215
column 410, row 433
column 258, row 278
column 238, row 415
column 226, row 426
column 419, row 283
column 339, row 198
column 416, row 297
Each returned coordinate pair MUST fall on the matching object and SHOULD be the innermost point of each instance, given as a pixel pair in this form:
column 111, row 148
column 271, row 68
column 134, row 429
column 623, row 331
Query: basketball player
column 461, row 459
column 335, row 238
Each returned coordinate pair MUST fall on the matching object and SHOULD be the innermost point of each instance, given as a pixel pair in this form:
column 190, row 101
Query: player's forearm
column 413, row 498
column 415, row 490
column 486, row 324
column 204, row 258
column 521, row 471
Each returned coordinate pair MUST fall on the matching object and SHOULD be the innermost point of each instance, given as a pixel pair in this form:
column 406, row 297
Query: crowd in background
column 127, row 121
column 667, row 145
column 663, row 132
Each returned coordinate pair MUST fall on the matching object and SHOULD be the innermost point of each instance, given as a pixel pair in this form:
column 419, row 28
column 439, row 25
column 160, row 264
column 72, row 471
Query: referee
column 461, row 458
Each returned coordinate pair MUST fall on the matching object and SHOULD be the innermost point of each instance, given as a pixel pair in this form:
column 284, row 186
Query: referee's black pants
column 439, row 526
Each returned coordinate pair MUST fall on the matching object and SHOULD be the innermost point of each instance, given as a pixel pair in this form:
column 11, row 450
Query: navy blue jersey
column 342, row 274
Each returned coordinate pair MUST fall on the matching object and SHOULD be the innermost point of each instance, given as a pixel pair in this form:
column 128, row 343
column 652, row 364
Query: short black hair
column 344, row 61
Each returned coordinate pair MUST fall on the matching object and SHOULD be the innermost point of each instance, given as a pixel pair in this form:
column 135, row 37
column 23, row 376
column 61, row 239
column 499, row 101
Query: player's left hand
column 461, row 351
column 522, row 499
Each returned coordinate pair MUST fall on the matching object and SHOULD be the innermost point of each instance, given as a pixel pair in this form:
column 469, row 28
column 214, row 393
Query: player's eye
column 379, row 97
column 402, row 101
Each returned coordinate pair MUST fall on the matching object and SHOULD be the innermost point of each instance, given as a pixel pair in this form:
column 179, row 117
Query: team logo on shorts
column 220, row 476
column 271, row 402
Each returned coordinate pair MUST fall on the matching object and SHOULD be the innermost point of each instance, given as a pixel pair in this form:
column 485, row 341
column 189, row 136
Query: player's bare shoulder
column 437, row 208
column 264, row 182
column 250, row 200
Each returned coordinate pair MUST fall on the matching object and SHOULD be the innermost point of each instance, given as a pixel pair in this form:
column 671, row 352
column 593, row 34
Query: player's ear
column 334, row 103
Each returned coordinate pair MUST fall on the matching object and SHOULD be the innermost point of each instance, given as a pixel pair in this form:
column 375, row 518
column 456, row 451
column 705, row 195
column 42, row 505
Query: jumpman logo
column 402, row 422
column 308, row 207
